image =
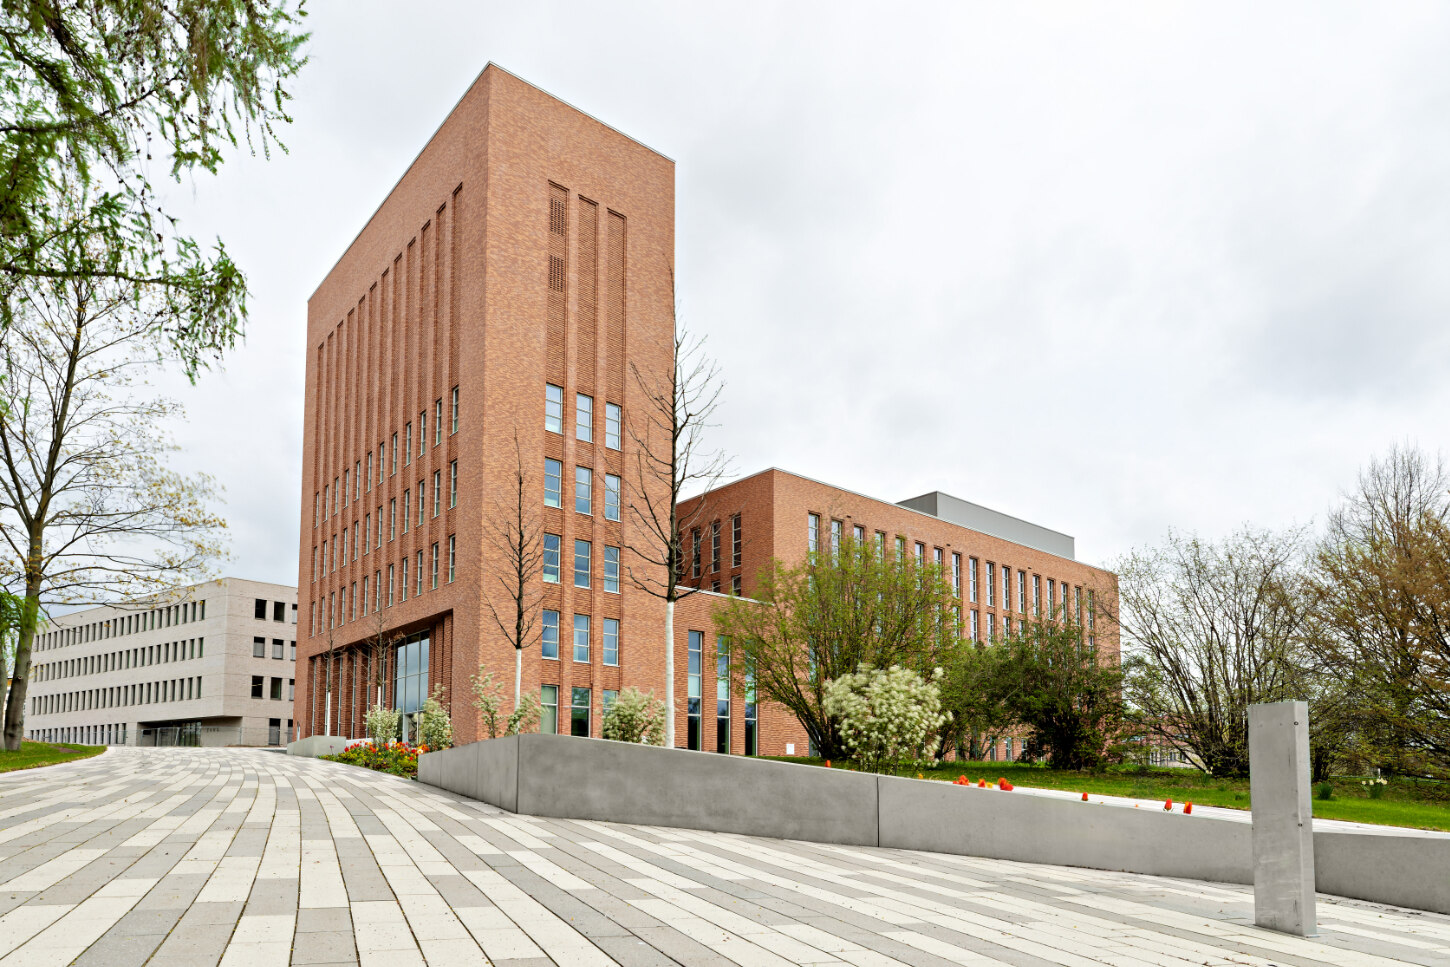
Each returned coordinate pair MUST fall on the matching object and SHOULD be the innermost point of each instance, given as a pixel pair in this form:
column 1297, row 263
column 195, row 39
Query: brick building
column 497, row 315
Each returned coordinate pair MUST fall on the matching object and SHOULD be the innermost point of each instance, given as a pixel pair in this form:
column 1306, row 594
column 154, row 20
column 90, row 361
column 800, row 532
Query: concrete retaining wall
column 564, row 777
column 316, row 745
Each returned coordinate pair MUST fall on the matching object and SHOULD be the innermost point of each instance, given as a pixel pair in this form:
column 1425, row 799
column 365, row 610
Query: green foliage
column 832, row 613
column 887, row 716
column 635, row 716
column 524, row 717
column 1324, row 790
column 395, row 758
column 978, row 688
column 382, row 724
column 1068, row 694
column 488, row 700
column 435, row 728
column 88, row 93
column 32, row 755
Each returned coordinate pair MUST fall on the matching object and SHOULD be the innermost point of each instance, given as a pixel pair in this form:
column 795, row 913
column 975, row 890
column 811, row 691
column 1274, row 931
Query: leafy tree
column 88, row 508
column 1210, row 629
column 830, row 614
column 1382, row 582
column 978, row 688
column 888, row 717
column 88, row 92
column 635, row 716
column 1067, row 693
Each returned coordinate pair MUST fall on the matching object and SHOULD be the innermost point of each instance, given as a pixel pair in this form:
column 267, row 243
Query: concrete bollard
column 1283, row 818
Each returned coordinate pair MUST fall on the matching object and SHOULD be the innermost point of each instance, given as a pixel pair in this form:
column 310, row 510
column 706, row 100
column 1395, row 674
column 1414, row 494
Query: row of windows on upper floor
column 358, row 479
column 583, row 417
column 112, row 661
column 334, row 550
column 125, row 624
column 696, row 545
column 279, row 610
column 975, row 628
column 347, row 604
column 1057, row 604
column 279, row 650
column 583, row 489
column 118, row 696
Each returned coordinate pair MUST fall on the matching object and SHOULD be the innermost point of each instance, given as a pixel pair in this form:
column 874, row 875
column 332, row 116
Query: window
column 455, row 412
column 735, row 585
column 881, row 544
column 392, row 519
column 613, row 426
column 259, row 611
column 407, row 501
column 722, row 695
column 291, row 690
column 422, row 432
column 1051, row 598
column 394, row 468
column 692, row 708
column 553, row 483
column 991, row 585
column 991, row 627
column 1022, row 591
column 752, row 740
column 291, row 650
column 1006, row 588
column 813, row 532
column 419, row 589
column 423, row 497
column 551, row 558
column 256, row 686
column 550, row 634
column 974, row 626
column 581, row 638
column 435, row 567
column 370, row 471
column 367, row 529
column 407, row 444
column 382, row 461
column 410, row 681
column 1036, row 595
column 1077, row 603
column 611, row 569
column 920, row 553
column 611, row 641
column 611, row 497
column 279, row 649
column 583, row 557
column 579, row 712
column 553, row 408
column 972, row 581
column 735, row 542
column 276, row 689
column 715, row 545
column 437, row 491
column 403, row 582
column 900, row 548
column 695, row 552
column 956, row 574
column 837, row 529
column 583, row 490
column 584, row 418
column 345, row 475
column 549, row 712
column 453, row 484
column 437, row 421
column 390, row 585
column 452, row 542
column 259, row 647
column 1092, row 611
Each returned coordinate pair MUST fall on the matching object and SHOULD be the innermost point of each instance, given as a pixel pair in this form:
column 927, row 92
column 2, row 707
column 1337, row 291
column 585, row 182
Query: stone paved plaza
column 197, row 857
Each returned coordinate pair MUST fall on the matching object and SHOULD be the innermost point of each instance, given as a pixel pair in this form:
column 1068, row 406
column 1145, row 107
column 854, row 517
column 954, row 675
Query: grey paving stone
column 324, row 920
column 324, row 947
column 120, row 949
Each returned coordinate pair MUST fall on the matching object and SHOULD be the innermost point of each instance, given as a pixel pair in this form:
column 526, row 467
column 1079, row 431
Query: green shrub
column 635, row 716
column 382, row 724
column 435, row 728
column 1324, row 790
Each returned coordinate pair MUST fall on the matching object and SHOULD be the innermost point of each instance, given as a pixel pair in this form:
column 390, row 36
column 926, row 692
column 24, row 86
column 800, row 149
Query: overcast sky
column 1112, row 271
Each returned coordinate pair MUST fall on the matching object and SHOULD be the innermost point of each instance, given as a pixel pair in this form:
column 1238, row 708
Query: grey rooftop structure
column 997, row 524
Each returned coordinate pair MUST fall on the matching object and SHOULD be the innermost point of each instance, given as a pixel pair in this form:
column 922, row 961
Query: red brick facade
column 528, row 246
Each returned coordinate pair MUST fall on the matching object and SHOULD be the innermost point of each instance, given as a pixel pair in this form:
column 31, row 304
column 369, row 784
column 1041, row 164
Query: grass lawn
column 34, row 754
column 1423, row 805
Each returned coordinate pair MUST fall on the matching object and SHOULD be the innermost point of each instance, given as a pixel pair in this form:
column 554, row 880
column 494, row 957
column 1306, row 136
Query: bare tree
column 670, row 460
column 88, row 509
column 517, row 534
column 380, row 643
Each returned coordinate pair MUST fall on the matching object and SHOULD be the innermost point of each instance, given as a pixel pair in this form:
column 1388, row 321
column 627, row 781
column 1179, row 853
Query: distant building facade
column 212, row 666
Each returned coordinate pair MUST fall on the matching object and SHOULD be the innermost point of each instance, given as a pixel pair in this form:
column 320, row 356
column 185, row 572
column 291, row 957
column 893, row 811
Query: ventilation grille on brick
column 556, row 315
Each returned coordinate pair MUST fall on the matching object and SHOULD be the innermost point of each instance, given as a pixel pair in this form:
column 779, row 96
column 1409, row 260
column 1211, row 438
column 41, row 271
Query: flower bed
column 395, row 758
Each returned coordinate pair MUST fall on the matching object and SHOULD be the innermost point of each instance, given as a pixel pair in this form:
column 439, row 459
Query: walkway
column 241, row 858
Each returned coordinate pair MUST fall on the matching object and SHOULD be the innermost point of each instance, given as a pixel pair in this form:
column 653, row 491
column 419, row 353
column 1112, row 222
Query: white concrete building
column 213, row 666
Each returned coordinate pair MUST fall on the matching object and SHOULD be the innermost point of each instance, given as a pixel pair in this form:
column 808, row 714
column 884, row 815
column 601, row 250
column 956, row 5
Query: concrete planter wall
column 563, row 777
column 317, row 745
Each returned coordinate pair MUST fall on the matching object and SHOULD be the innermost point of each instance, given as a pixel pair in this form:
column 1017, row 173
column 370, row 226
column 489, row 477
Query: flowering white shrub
column 382, row 725
column 524, row 718
column 886, row 716
column 635, row 716
column 435, row 728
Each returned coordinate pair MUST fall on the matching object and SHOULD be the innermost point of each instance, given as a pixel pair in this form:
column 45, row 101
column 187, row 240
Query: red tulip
column 1168, row 806
column 1187, row 808
column 1084, row 797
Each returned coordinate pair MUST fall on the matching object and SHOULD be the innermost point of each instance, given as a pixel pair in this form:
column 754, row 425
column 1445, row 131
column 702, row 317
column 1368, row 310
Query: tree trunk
column 518, row 676
column 19, row 682
column 669, row 674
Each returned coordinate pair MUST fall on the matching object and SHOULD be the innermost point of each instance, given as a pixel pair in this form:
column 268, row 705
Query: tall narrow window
column 437, row 492
column 366, row 531
column 452, row 543
column 611, row 641
column 920, row 553
column 584, row 418
column 554, row 408
column 1036, row 595
column 550, row 634
column 393, row 467
column 435, row 566
column 714, row 545
column 392, row 518
column 583, row 555
column 583, row 490
column 455, row 411
column 735, row 543
column 549, row 711
column 613, row 426
column 437, row 421
column 1022, row 591
column 553, row 483
column 972, row 581
column 407, row 443
column 692, row 688
column 423, row 497
column 813, row 532
column 403, row 583
column 837, row 530
column 722, row 695
column 382, row 460
column 695, row 552
column 551, row 558
column 579, row 713
column 611, row 569
column 390, row 585
column 407, row 503
column 453, row 484
column 956, row 574
column 581, row 638
column 370, row 471
column 975, row 627
column 419, row 589
column 422, row 432
column 991, row 585
column 900, row 548
column 752, row 741
column 1051, row 598
column 1006, row 588
column 611, row 497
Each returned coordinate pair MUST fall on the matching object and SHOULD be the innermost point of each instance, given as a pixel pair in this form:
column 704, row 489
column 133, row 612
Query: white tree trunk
column 327, row 714
column 669, row 674
column 518, row 676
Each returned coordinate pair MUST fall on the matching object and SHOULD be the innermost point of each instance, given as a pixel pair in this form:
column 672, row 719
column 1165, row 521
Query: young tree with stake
column 516, row 533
